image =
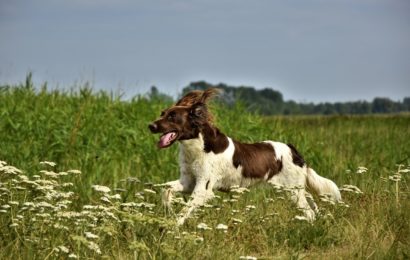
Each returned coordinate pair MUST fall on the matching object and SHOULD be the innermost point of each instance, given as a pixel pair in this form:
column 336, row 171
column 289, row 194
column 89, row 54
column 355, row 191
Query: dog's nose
column 153, row 127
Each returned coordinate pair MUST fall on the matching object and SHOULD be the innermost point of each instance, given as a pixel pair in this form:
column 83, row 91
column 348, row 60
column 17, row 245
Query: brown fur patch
column 256, row 159
column 215, row 141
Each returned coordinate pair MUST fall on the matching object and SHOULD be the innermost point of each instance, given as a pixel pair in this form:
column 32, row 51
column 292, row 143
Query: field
column 99, row 201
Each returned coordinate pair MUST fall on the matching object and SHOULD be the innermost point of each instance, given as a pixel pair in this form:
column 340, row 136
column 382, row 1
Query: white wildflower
column 327, row 198
column 63, row 173
column 58, row 226
column 301, row 218
column 72, row 256
column 221, row 227
column 74, row 171
column 114, row 197
column 111, row 215
column 139, row 195
column 203, row 226
column 361, row 169
column 248, row 257
column 105, row 199
column 150, row 191
column 93, row 246
column 249, row 207
column 3, row 211
column 90, row 235
column 64, row 249
column 239, row 190
column 50, row 174
column 43, row 215
column 10, row 170
column 404, row 171
column 341, row 203
column 68, row 214
column 5, row 206
column 236, row 220
column 350, row 188
column 4, row 190
column 145, row 205
column 29, row 204
column 101, row 188
column 13, row 225
column 395, row 177
column 128, row 204
column 43, row 204
column 52, row 164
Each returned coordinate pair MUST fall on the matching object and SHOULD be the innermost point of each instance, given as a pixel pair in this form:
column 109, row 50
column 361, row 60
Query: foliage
column 112, row 209
column 270, row 102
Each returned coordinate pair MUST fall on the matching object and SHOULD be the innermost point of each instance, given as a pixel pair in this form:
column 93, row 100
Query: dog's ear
column 209, row 94
column 198, row 110
column 197, row 96
column 198, row 113
column 190, row 98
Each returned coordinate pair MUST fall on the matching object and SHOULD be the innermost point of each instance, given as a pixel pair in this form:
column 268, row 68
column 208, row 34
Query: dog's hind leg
column 298, row 196
column 293, row 179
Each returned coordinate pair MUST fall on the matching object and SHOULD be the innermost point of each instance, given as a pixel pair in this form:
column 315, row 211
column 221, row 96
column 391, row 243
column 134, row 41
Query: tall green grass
column 107, row 139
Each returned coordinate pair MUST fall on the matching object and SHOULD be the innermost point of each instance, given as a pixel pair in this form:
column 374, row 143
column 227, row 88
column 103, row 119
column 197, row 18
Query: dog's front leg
column 201, row 194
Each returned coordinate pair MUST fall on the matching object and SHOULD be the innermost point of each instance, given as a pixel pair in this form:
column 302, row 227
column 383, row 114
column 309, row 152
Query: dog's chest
column 196, row 162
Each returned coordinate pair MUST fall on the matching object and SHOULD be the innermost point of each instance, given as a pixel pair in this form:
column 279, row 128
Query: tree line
column 270, row 102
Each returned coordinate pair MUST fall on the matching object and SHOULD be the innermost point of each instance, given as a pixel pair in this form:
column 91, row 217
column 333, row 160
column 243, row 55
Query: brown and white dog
column 209, row 160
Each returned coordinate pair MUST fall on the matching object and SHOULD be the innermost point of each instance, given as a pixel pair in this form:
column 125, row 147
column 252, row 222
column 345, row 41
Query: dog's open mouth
column 167, row 139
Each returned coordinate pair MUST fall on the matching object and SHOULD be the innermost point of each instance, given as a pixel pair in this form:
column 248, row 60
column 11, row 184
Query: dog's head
column 185, row 119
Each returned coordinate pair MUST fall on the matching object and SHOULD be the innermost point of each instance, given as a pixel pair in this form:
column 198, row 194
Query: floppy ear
column 190, row 98
column 198, row 114
column 197, row 96
column 209, row 94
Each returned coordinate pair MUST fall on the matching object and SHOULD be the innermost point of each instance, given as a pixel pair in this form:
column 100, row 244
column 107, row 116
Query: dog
column 210, row 160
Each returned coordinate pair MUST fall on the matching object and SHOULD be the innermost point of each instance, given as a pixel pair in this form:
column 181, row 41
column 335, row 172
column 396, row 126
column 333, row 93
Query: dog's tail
column 322, row 186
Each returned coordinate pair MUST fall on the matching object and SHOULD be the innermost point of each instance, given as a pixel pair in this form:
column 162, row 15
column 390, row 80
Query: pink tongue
column 166, row 139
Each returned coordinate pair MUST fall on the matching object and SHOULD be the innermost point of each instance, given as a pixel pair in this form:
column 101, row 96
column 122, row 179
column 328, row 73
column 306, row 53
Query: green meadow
column 98, row 199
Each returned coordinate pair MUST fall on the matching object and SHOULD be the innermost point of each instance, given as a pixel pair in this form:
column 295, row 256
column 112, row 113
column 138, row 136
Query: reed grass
column 98, row 200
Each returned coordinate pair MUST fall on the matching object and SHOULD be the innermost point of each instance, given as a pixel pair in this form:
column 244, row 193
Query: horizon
column 126, row 97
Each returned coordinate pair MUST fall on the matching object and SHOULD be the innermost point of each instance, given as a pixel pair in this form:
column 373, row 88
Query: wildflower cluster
column 35, row 209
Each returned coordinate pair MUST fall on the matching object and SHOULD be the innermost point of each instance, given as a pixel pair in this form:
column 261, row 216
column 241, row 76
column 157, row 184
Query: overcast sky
column 311, row 51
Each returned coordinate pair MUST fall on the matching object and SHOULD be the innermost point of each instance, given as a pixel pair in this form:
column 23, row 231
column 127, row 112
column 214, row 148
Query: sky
column 309, row 50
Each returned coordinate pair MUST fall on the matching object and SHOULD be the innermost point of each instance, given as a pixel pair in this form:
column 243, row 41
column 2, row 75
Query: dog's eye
column 171, row 116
